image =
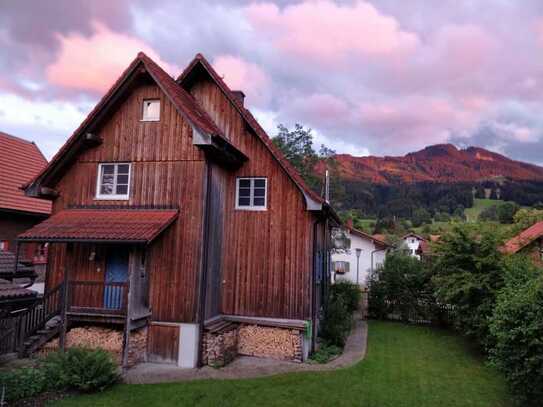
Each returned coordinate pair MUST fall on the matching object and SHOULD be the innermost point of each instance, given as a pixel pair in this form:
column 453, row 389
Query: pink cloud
column 94, row 63
column 245, row 76
column 325, row 31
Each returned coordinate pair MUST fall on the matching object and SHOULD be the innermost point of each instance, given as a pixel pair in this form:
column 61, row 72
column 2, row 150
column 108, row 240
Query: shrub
column 80, row 369
column 22, row 383
column 349, row 292
column 400, row 286
column 325, row 353
column 336, row 322
column 516, row 326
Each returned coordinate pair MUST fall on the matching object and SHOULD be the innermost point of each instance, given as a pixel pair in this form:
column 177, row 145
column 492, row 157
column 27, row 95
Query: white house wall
column 367, row 247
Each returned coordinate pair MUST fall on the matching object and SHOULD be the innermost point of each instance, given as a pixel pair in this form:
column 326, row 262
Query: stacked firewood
column 275, row 343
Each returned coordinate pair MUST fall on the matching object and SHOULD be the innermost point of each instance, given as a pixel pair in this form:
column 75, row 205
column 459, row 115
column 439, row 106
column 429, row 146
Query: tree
column 420, row 217
column 489, row 214
column 297, row 147
column 468, row 273
column 507, row 211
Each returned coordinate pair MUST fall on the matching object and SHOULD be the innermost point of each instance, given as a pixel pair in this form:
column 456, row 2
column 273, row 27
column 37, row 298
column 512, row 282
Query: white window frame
column 148, row 119
column 113, row 197
column 251, row 206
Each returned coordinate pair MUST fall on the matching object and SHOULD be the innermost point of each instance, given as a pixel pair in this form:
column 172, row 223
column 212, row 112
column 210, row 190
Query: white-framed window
column 251, row 193
column 151, row 110
column 340, row 267
column 113, row 181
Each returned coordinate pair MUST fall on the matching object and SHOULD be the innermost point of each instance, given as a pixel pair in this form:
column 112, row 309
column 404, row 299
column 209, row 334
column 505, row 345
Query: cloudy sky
column 381, row 77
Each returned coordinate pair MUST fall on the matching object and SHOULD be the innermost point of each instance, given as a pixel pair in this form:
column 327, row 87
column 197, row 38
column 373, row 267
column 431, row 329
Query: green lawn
column 405, row 366
column 472, row 214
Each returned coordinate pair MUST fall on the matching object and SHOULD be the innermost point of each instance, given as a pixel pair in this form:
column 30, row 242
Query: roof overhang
column 135, row 226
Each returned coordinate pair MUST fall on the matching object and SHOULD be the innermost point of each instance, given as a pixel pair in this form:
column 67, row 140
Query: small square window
column 113, row 181
column 151, row 110
column 251, row 194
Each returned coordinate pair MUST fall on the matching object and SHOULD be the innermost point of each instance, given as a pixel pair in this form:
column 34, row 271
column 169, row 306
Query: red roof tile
column 523, row 239
column 20, row 161
column 127, row 225
column 182, row 100
column 251, row 121
column 374, row 239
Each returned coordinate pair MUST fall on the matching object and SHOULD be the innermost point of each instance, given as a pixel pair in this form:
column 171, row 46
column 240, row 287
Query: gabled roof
column 200, row 60
column 411, row 234
column 185, row 104
column 20, row 161
column 10, row 291
column 367, row 236
column 523, row 239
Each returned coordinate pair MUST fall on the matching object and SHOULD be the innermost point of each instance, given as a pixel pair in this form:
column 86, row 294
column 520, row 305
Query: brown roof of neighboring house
column 523, row 239
column 127, row 225
column 7, row 265
column 414, row 235
column 199, row 59
column 20, row 161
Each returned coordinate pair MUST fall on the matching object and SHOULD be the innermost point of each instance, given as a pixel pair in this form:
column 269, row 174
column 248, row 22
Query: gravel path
column 245, row 367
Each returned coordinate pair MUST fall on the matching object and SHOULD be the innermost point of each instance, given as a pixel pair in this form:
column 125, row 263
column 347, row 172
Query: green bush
column 349, row 292
column 22, row 383
column 80, row 369
column 336, row 322
column 516, row 326
column 325, row 353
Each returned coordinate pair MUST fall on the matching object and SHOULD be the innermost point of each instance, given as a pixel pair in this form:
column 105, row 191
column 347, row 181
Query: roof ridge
column 4, row 134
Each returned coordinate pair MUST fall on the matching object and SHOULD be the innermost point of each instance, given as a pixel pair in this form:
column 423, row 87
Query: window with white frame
column 151, row 110
column 251, row 193
column 340, row 267
column 113, row 181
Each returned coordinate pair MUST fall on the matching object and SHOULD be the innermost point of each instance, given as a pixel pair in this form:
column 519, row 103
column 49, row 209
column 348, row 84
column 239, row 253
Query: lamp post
column 358, row 253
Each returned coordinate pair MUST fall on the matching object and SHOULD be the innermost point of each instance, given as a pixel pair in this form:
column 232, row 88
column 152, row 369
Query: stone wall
column 268, row 342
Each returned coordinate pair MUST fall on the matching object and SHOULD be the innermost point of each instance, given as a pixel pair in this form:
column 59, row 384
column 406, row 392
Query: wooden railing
column 17, row 326
column 97, row 297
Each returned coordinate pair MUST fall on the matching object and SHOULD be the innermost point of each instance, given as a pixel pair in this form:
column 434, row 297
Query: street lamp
column 358, row 253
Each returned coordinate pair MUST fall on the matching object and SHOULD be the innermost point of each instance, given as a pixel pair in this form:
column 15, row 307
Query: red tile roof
column 20, row 161
column 182, row 100
column 127, row 225
column 523, row 239
column 374, row 239
column 251, row 121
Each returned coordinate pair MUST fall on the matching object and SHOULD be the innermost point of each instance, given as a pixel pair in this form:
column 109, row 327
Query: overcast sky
column 380, row 77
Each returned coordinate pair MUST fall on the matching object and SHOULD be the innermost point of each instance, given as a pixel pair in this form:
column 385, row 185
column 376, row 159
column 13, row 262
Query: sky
column 381, row 77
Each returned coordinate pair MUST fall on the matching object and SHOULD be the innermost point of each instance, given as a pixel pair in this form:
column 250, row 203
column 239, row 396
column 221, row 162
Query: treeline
column 403, row 201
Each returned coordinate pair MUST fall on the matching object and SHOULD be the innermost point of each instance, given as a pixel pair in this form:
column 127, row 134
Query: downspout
column 200, row 313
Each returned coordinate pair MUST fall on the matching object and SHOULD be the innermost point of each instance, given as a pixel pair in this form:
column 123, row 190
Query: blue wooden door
column 116, row 272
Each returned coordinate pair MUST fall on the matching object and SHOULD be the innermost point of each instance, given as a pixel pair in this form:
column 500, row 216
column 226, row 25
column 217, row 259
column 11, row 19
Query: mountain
column 442, row 163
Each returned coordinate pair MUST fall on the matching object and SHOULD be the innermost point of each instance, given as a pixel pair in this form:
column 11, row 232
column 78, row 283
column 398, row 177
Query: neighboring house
column 174, row 215
column 414, row 244
column 14, row 297
column 346, row 265
column 529, row 242
column 20, row 161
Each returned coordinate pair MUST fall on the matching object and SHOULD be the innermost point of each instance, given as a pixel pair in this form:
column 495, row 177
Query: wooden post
column 65, row 304
column 132, row 264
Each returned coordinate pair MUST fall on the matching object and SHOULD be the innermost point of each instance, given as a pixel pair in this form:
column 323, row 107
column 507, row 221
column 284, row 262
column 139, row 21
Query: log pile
column 274, row 343
column 220, row 348
column 110, row 340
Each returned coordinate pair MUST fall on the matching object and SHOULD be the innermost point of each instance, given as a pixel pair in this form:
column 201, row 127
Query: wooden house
column 173, row 213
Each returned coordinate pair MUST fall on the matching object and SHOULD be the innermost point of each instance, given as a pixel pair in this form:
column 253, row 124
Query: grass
column 405, row 366
column 472, row 214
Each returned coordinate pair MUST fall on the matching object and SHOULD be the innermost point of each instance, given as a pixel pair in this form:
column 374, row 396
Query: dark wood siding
column 266, row 256
column 163, row 343
column 166, row 170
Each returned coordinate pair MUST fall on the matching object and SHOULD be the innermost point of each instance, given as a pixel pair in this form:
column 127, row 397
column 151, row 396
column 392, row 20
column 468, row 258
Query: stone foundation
column 219, row 349
column 268, row 342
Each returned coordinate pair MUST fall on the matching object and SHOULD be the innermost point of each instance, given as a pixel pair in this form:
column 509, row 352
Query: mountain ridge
column 443, row 163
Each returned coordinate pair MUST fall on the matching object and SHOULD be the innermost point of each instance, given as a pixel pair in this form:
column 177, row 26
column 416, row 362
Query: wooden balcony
column 96, row 300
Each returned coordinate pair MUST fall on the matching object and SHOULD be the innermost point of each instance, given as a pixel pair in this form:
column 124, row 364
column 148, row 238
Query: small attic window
column 151, row 110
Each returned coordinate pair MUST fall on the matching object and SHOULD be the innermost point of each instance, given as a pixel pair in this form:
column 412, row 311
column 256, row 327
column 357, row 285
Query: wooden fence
column 421, row 311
